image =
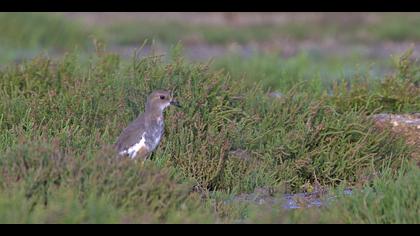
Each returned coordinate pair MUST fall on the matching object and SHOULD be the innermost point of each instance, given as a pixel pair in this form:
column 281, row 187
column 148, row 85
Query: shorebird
column 142, row 136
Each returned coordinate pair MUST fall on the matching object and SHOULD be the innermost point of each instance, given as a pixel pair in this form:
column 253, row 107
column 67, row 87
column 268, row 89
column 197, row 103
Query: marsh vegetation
column 60, row 115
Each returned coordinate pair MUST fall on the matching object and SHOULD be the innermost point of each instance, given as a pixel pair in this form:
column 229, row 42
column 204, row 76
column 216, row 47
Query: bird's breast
column 154, row 134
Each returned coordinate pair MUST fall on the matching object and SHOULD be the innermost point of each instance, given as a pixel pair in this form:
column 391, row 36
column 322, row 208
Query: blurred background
column 330, row 42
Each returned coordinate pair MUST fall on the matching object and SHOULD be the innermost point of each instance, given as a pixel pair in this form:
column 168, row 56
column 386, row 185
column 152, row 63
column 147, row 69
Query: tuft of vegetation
column 54, row 185
column 398, row 92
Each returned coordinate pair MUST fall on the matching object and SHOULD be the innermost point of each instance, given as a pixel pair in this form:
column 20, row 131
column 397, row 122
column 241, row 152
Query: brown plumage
column 142, row 136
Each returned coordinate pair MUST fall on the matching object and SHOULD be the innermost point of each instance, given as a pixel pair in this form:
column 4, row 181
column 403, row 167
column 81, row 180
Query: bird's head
column 160, row 100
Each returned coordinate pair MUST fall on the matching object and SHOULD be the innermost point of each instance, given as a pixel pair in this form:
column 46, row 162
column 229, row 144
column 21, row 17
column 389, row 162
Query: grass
column 225, row 114
column 387, row 27
column 57, row 187
column 40, row 30
column 360, row 88
column 53, row 31
column 25, row 35
column 172, row 32
column 59, row 117
column 397, row 30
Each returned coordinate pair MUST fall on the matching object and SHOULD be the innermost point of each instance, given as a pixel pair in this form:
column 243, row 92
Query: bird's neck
column 154, row 109
column 154, row 112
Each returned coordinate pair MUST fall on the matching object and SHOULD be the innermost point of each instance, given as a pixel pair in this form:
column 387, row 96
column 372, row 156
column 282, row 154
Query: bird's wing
column 131, row 135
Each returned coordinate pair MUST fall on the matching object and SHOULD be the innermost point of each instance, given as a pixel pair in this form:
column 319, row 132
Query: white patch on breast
column 132, row 151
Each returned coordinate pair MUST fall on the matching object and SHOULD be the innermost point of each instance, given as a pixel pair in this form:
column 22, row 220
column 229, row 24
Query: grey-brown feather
column 132, row 134
column 145, row 123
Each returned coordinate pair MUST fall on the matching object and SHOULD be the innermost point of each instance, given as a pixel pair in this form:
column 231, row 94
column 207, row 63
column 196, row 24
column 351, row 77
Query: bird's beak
column 175, row 103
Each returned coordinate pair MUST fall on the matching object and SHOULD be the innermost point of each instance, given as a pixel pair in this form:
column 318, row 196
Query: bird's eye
column 162, row 97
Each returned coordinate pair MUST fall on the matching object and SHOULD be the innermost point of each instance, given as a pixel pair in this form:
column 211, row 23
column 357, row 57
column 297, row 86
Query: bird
column 141, row 137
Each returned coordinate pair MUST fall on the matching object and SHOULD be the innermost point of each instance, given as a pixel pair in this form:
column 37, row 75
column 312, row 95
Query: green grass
column 172, row 32
column 275, row 72
column 347, row 83
column 24, row 35
column 393, row 29
column 40, row 30
column 47, row 30
column 387, row 27
column 60, row 116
